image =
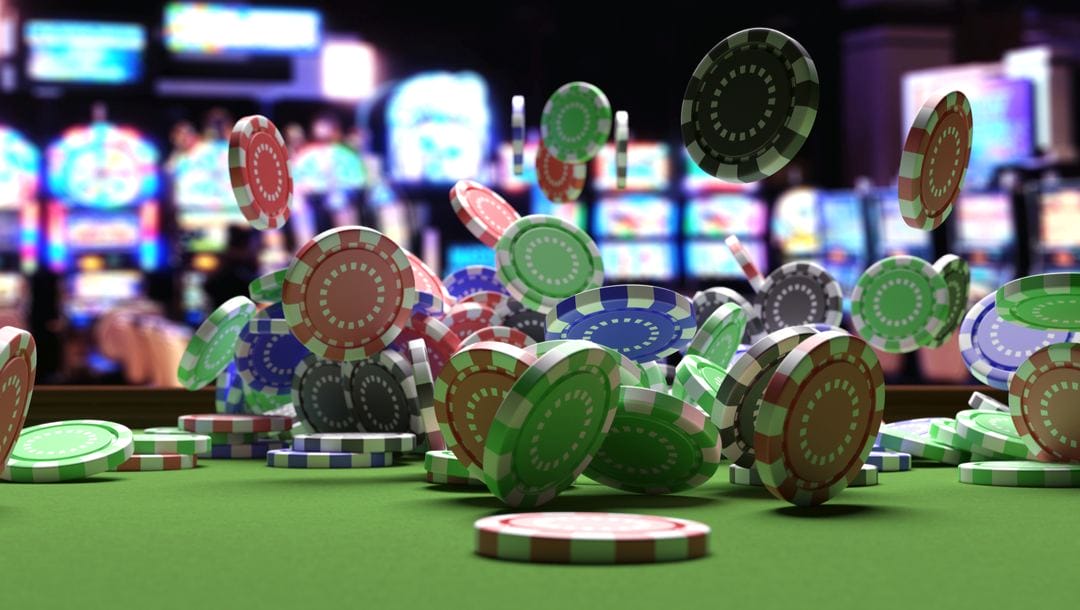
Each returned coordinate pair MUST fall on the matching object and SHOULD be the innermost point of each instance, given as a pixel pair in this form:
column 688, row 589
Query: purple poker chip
column 993, row 349
column 473, row 279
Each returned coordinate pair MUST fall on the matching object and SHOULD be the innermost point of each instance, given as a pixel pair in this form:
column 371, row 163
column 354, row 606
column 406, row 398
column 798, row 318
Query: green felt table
column 238, row 534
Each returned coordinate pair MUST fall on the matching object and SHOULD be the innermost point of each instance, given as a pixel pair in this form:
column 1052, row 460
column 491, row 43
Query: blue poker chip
column 229, row 391
column 641, row 322
column 473, row 279
column 287, row 458
column 274, row 310
column 266, row 362
column 889, row 461
column 242, row 451
column 993, row 349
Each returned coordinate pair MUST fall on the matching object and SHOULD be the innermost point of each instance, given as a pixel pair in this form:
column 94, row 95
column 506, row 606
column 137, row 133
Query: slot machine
column 1054, row 212
column 20, row 166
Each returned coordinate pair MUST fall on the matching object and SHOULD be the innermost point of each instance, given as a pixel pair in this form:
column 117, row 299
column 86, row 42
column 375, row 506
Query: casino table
column 237, row 533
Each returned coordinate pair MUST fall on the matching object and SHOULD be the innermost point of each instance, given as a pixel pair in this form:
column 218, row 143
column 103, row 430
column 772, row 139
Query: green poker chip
column 630, row 372
column 551, row 423
column 1020, row 474
column 1046, row 302
column 992, row 433
column 654, row 376
column 542, row 260
column 68, row 451
column 913, row 436
column 697, row 380
column 957, row 276
column 267, row 288
column 900, row 304
column 718, row 337
column 576, row 122
column 191, row 444
column 444, row 462
column 213, row 346
column 943, row 430
column 657, row 444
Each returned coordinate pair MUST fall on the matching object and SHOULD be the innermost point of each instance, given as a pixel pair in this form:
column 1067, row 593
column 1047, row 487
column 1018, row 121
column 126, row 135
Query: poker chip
column 750, row 105
column 654, row 376
column 375, row 393
column 718, row 337
column 432, row 297
column 67, row 451
column 594, row 537
column 472, row 279
column 440, row 342
column 267, row 287
column 355, row 442
column 991, row 433
column 630, row 372
column 287, row 458
column 900, row 304
column 263, row 402
column 318, row 395
column 500, row 334
column 513, row 314
column 421, row 388
column 467, row 318
column 935, row 160
column 709, row 300
column 1020, row 474
column 265, row 362
column 269, row 326
column 1049, row 301
column 697, row 380
column 483, row 211
column 1043, row 399
column 517, row 132
column 551, row 423
column 436, row 478
column 213, row 345
column 867, row 476
column 642, row 322
column 443, row 468
column 739, row 396
column 250, row 451
column 170, row 443
column 223, row 422
column 913, row 436
column 741, row 475
column 746, row 263
column 622, row 143
column 259, row 172
column 487, row 298
column 799, row 293
column 468, row 393
column 144, row 462
column 957, row 276
column 559, row 182
column 348, row 293
column 993, row 349
column 889, row 461
column 543, row 260
column 944, row 431
column 229, row 391
column 18, row 372
column 818, row 418
column 981, row 401
column 232, row 438
column 575, row 122
column 657, row 444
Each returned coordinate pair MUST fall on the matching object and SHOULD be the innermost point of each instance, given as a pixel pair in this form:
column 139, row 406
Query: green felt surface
column 238, row 534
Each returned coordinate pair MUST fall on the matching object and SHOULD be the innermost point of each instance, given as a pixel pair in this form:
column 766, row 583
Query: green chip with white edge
column 943, row 430
column 68, row 451
column 151, row 444
column 900, row 304
column 1046, row 302
column 630, row 372
column 1020, row 474
column 654, row 376
column 213, row 346
column 658, row 444
column 267, row 288
column 551, row 424
column 718, row 337
column 991, row 432
column 957, row 275
column 697, row 380
column 913, row 436
column 542, row 259
column 576, row 122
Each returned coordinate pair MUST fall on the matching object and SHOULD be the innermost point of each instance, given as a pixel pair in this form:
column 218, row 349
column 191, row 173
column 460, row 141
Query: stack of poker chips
column 234, row 436
column 345, row 450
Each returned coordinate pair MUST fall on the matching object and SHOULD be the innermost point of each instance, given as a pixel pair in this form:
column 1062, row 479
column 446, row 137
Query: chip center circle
column 348, row 291
column 267, row 171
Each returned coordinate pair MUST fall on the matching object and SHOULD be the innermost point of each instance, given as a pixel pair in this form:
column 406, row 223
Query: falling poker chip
column 576, row 122
column 1044, row 395
column 750, row 105
column 259, row 172
column 799, row 293
column 934, row 161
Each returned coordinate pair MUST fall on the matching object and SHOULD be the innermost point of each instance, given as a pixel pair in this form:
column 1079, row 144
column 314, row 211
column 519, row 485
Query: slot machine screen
column 795, row 223
column 724, row 214
column 1059, row 221
column 986, row 237
column 574, row 213
column 464, row 255
column 635, row 216
column 711, row 259
column 103, row 233
column 86, row 52
column 648, row 167
column 894, row 235
column 627, row 260
column 843, row 231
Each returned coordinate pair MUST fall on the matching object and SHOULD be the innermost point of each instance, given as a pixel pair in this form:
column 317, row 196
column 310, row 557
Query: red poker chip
column 560, row 182
column 18, row 370
column 466, row 318
column 499, row 334
column 432, row 297
column 440, row 341
column 348, row 293
column 259, row 172
column 487, row 298
column 222, row 422
column 483, row 211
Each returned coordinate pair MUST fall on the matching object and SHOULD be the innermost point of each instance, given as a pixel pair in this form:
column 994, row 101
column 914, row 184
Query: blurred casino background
column 118, row 231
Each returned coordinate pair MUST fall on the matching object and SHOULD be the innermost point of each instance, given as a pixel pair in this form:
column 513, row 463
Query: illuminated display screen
column 463, row 255
column 896, row 235
column 201, row 178
column 635, row 216
column 648, row 167
column 19, row 165
column 574, row 213
column 624, row 260
column 219, row 29
column 102, row 166
column 708, row 259
column 795, row 222
column 84, row 51
column 724, row 214
column 842, row 221
column 1060, row 218
column 328, row 168
column 697, row 180
column 984, row 220
column 100, row 232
